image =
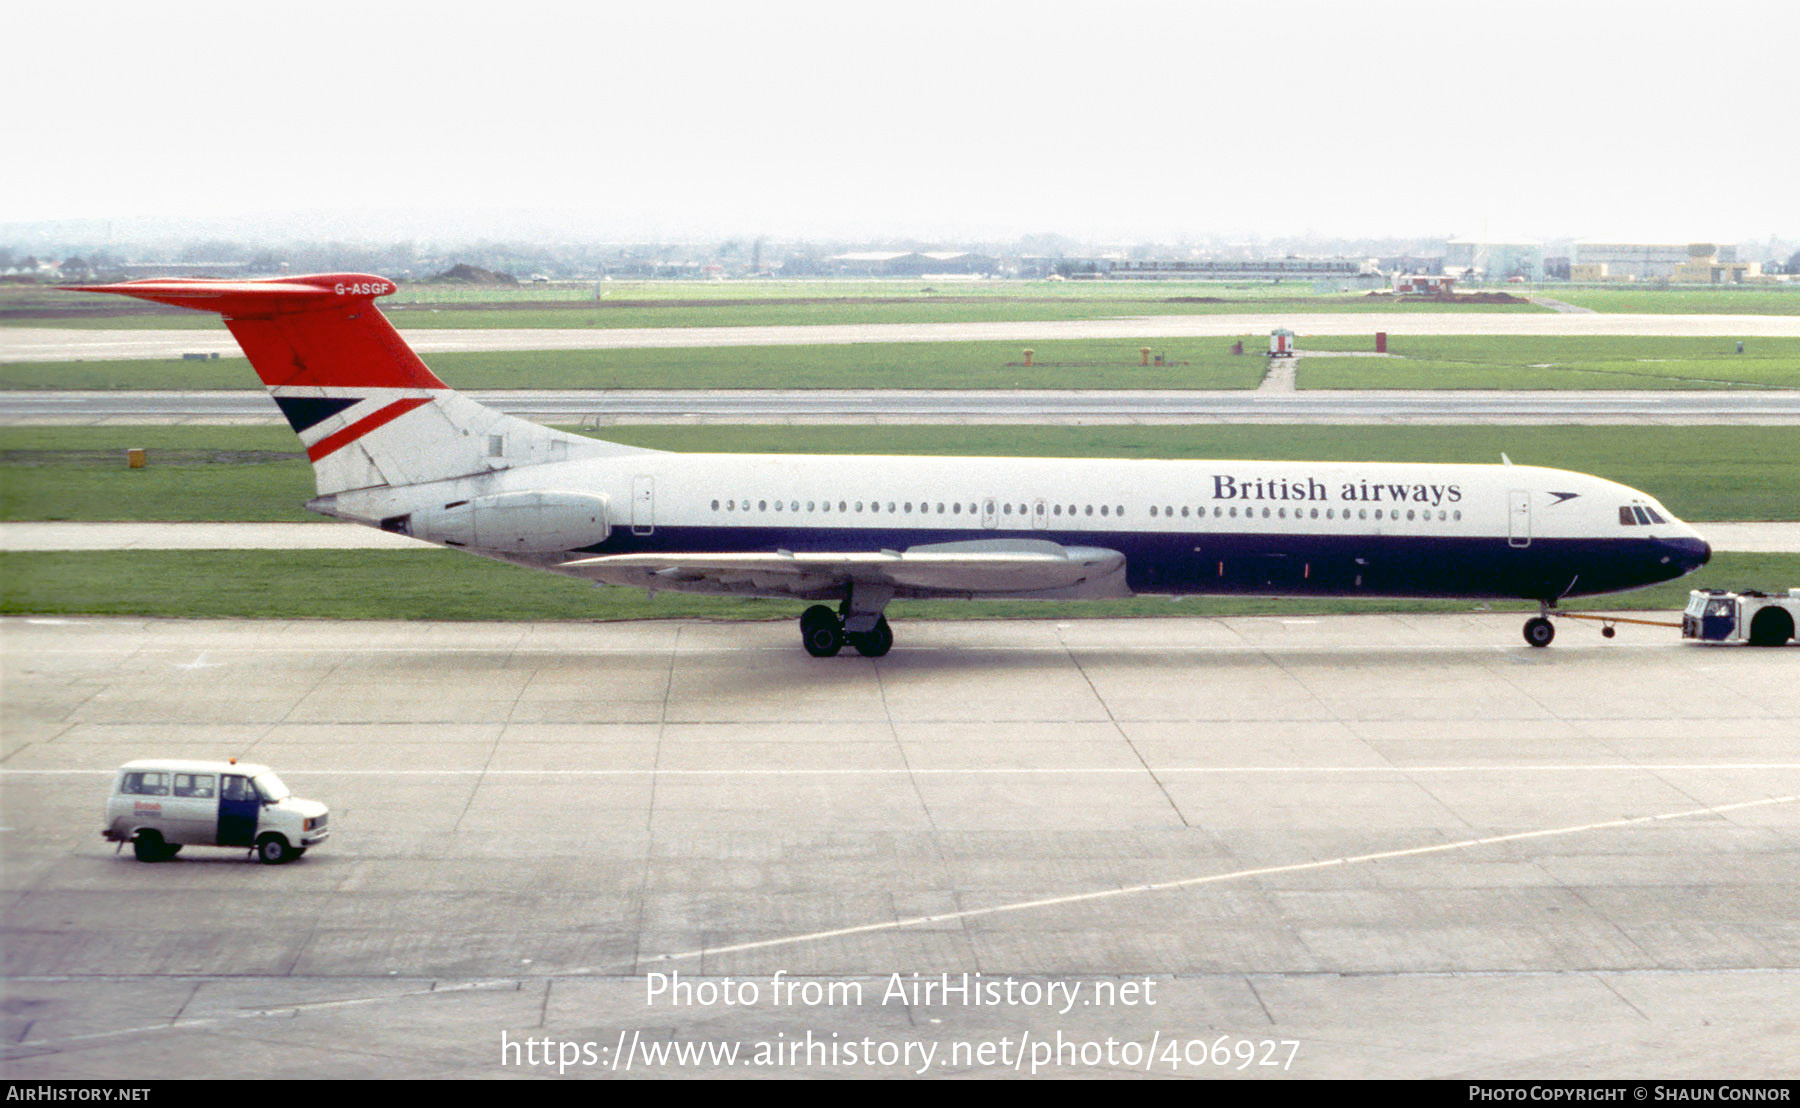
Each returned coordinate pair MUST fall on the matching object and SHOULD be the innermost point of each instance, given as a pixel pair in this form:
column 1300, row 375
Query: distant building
column 911, row 263
column 1494, row 261
column 1424, row 284
column 1354, row 270
column 1646, row 261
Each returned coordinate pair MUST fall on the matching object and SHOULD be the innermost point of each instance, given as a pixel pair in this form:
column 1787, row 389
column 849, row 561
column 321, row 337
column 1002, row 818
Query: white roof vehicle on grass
column 160, row 805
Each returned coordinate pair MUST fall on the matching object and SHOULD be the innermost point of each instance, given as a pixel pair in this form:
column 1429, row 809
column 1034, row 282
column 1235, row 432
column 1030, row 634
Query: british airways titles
column 1360, row 492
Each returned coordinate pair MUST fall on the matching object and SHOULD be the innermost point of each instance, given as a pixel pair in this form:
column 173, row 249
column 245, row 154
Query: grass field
column 258, row 474
column 1748, row 300
column 750, row 303
column 1468, row 361
column 1085, row 364
column 1522, row 362
column 444, row 585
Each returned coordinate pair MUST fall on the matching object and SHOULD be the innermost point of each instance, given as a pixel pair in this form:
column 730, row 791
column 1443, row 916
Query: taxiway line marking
column 270, row 1012
column 1220, row 878
column 851, row 771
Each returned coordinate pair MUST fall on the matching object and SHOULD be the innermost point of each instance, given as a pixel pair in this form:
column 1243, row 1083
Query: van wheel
column 273, row 850
column 1771, row 627
column 149, row 847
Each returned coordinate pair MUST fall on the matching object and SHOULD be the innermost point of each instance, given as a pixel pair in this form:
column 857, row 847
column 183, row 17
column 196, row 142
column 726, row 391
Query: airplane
column 395, row 448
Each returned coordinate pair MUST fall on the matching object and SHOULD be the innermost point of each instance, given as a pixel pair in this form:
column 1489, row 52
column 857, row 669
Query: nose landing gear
column 1539, row 631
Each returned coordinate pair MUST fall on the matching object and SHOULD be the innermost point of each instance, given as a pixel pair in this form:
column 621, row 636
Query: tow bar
column 1606, row 622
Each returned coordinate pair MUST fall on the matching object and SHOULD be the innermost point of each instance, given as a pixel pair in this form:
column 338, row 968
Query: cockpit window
column 1626, row 518
column 1655, row 516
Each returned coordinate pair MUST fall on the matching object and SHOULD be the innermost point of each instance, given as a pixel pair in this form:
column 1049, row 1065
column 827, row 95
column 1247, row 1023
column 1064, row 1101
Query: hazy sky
column 1096, row 120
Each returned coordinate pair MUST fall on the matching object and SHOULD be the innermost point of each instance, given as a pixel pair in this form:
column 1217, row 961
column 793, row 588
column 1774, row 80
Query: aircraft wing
column 996, row 567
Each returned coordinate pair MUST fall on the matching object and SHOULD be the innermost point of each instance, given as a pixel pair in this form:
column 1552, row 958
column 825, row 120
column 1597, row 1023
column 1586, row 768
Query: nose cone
column 1689, row 552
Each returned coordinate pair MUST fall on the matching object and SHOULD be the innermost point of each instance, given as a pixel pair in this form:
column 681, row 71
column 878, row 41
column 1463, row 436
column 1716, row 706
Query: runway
column 28, row 344
column 1407, row 845
column 600, row 408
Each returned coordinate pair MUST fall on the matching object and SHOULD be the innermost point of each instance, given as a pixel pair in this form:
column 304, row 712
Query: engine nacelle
column 512, row 522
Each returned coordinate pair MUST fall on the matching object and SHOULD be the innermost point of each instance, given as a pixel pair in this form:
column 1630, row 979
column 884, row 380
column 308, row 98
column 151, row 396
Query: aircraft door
column 1518, row 518
column 239, row 805
column 990, row 513
column 1040, row 515
column 643, row 505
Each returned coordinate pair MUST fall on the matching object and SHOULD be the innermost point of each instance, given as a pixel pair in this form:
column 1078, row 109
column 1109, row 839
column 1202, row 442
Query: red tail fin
column 369, row 412
column 318, row 331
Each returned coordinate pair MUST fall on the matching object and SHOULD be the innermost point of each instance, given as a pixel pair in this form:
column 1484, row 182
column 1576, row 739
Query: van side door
column 239, row 806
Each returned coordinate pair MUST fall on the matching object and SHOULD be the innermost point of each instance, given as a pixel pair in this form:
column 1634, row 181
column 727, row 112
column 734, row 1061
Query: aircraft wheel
column 821, row 632
column 876, row 642
column 1539, row 631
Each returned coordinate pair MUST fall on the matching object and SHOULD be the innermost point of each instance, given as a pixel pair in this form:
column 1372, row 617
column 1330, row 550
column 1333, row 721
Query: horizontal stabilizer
column 252, row 299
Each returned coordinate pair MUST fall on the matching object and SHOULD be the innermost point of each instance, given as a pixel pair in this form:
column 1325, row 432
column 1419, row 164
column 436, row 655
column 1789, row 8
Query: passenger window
column 890, row 505
column 1102, row 509
column 1409, row 513
column 1057, row 510
column 715, row 505
column 908, row 506
column 147, row 784
column 940, row 508
column 1152, row 511
column 1184, row 511
column 1265, row 513
column 956, row 508
column 198, row 786
column 1006, row 509
column 1234, row 511
column 778, row 505
column 1281, row 513
column 1089, row 509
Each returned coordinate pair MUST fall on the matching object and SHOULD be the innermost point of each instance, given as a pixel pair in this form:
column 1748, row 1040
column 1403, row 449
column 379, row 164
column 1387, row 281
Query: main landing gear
column 824, row 632
column 1539, row 631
